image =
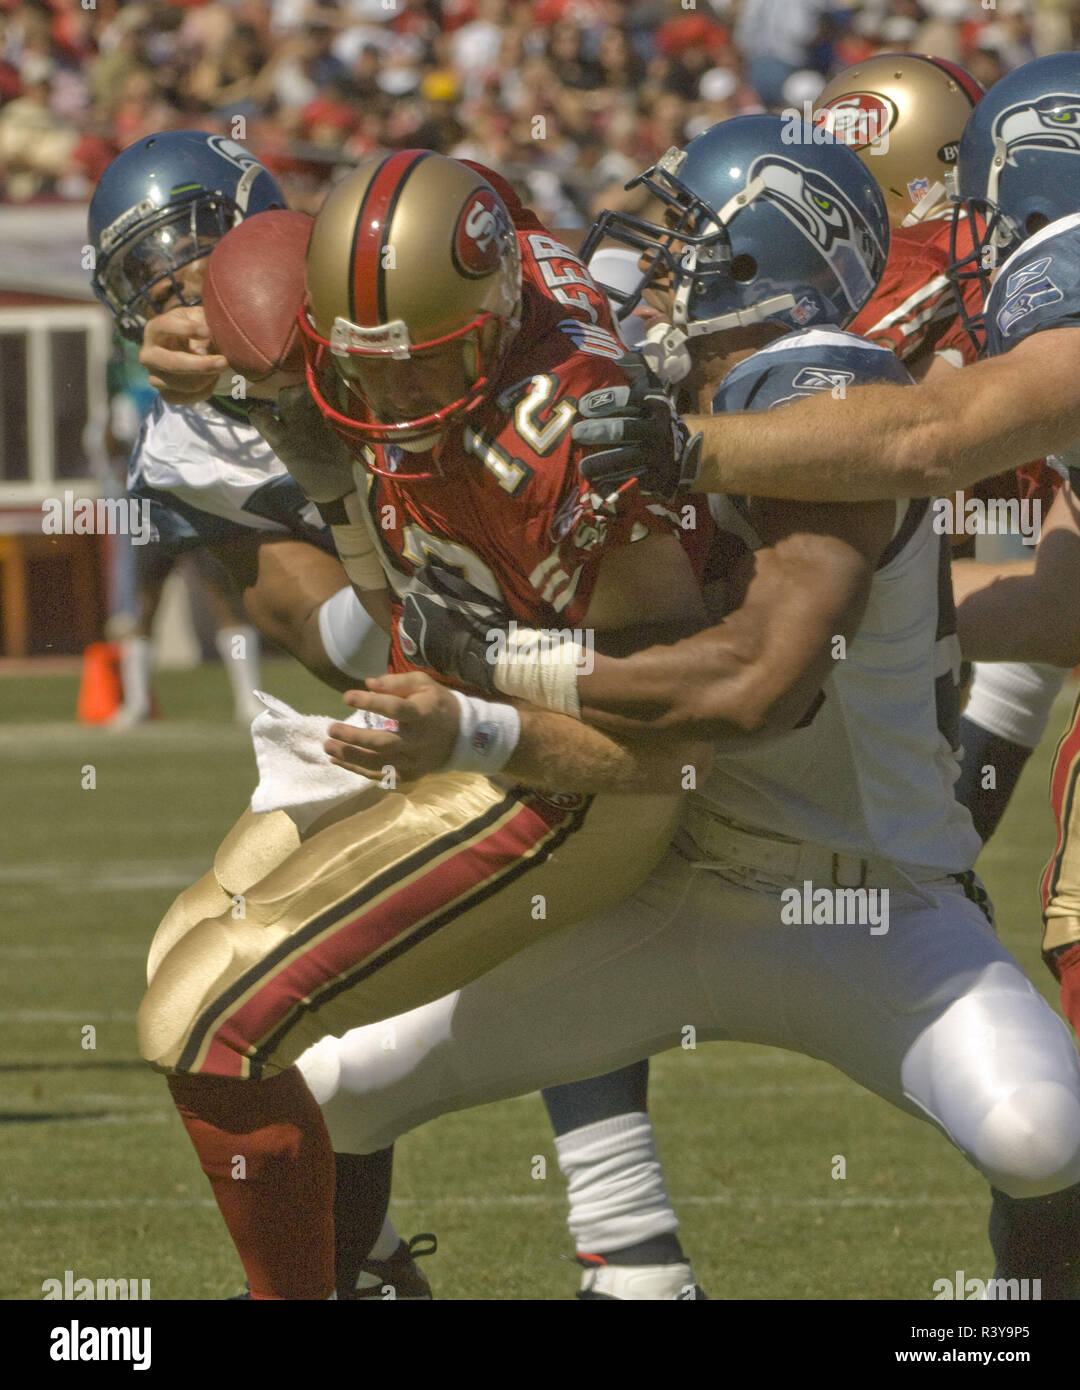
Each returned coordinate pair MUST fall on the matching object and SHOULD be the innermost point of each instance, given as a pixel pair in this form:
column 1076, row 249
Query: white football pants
column 934, row 1015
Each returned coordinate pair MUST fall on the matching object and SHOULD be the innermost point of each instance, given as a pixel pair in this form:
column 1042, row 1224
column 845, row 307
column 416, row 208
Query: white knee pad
column 1028, row 1145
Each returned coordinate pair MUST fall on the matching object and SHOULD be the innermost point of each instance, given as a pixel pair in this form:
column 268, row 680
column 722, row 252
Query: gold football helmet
column 414, row 297
column 903, row 114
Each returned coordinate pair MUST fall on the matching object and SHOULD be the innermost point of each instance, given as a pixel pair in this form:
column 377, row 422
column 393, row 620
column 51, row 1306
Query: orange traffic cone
column 100, row 690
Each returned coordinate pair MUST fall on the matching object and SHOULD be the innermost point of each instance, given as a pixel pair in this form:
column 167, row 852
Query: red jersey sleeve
column 914, row 296
column 915, row 307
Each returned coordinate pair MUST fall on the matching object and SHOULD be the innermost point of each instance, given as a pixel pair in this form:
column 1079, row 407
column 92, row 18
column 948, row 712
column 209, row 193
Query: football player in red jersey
column 450, row 353
column 904, row 114
column 1035, row 1227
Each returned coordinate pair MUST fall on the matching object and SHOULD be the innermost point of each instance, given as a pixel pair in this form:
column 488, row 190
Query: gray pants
column 934, row 1015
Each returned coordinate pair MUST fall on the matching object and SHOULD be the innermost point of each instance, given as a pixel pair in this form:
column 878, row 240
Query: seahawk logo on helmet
column 760, row 229
column 1053, row 122
column 821, row 208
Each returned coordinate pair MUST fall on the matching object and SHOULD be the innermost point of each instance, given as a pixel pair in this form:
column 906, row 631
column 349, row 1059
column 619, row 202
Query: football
column 252, row 292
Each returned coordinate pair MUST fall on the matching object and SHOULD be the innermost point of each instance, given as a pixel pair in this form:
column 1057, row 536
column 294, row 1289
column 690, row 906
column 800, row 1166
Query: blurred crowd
column 568, row 97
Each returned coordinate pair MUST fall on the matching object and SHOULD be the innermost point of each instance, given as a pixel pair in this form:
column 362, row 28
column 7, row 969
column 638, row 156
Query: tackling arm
column 757, row 672
column 656, row 713
column 639, row 585
column 286, row 585
column 882, row 442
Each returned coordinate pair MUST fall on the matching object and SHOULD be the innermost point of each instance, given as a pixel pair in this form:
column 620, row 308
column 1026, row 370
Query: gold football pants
column 388, row 903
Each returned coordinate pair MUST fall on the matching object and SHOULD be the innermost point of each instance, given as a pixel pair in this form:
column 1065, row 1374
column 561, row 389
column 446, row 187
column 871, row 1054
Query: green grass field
column 99, row 1177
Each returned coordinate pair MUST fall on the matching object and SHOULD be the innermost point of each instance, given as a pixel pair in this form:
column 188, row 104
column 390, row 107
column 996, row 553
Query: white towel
column 295, row 774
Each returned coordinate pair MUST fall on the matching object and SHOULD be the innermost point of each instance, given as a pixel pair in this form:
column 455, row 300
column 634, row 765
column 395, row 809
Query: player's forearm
column 715, row 687
column 1014, row 613
column 1025, row 611
column 756, row 674
column 560, row 754
column 884, row 442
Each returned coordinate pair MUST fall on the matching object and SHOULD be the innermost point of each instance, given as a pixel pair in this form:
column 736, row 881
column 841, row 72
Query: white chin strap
column 666, row 348
column 666, row 353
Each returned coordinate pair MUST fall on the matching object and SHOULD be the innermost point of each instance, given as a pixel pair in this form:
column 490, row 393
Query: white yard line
column 63, row 1016
column 104, row 876
column 714, row 1199
column 116, row 951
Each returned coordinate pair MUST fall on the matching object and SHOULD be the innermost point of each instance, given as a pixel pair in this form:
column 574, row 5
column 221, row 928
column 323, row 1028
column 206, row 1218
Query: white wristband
column 487, row 736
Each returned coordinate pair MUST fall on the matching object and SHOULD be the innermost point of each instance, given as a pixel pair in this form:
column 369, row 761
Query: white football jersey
column 873, row 772
column 211, row 474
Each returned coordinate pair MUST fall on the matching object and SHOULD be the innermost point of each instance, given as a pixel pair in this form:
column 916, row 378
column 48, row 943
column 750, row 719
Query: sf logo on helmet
column 1053, row 122
column 480, row 235
column 860, row 120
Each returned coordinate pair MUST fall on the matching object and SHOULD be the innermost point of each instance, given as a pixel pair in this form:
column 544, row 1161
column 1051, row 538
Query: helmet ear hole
column 744, row 268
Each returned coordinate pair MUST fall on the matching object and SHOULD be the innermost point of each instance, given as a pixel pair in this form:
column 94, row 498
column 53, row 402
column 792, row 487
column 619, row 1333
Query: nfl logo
column 918, row 189
column 482, row 738
column 804, row 312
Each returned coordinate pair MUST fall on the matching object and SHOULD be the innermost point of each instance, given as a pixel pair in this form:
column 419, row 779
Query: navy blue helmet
column 1019, row 161
column 769, row 220
column 162, row 203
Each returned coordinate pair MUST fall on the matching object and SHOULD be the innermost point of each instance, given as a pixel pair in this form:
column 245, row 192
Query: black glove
column 314, row 455
column 446, row 625
column 646, row 438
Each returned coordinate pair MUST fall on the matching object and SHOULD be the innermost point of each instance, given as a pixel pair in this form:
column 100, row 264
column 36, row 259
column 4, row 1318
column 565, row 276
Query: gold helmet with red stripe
column 414, row 297
column 903, row 114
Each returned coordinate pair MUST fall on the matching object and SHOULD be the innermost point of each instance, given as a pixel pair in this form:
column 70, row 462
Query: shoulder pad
column 1038, row 287
column 805, row 364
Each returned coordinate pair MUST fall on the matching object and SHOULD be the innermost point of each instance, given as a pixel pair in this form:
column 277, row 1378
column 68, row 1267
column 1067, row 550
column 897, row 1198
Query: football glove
column 446, row 625
column 314, row 455
column 642, row 432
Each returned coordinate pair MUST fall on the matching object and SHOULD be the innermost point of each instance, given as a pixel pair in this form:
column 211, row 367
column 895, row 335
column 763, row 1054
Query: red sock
column 280, row 1213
